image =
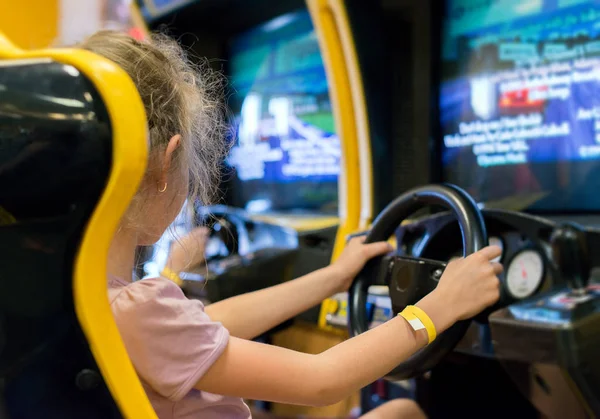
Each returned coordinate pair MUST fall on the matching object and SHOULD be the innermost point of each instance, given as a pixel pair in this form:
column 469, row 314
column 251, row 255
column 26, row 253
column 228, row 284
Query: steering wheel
column 224, row 231
column 409, row 279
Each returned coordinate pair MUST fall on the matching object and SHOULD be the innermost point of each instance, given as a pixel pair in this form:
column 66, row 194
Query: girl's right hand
column 466, row 288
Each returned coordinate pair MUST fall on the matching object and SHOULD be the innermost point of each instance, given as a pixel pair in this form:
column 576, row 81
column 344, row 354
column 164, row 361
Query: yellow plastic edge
column 7, row 48
column 361, row 118
column 341, row 101
column 298, row 223
column 332, row 28
column 130, row 152
column 31, row 24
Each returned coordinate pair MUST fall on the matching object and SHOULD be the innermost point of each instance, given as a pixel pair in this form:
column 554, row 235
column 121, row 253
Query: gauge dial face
column 525, row 273
column 497, row 241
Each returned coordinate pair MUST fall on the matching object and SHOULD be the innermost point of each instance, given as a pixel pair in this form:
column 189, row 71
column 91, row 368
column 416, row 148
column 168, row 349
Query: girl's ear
column 173, row 145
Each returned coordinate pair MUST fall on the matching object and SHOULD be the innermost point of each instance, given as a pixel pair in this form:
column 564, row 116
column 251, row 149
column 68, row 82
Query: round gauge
column 525, row 273
column 497, row 241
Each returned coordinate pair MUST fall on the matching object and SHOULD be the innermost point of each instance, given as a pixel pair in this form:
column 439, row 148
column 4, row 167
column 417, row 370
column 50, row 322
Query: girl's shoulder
column 157, row 291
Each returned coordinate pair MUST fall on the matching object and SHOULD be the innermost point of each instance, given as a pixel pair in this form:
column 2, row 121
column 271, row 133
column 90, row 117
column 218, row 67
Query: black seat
column 66, row 176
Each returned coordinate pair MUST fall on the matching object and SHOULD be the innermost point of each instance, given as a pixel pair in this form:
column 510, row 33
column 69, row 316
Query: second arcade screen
column 520, row 102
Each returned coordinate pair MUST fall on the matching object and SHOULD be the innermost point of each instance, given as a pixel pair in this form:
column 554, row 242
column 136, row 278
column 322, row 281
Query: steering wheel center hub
column 410, row 279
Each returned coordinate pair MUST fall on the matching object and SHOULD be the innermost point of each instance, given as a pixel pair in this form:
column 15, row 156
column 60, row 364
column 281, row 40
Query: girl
column 199, row 362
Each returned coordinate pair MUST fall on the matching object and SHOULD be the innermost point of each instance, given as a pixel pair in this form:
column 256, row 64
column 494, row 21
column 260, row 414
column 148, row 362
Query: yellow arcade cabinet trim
column 7, row 48
column 299, row 223
column 130, row 152
column 32, row 24
column 332, row 27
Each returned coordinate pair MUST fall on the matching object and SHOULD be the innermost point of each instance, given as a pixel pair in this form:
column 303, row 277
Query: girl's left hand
column 354, row 257
column 188, row 252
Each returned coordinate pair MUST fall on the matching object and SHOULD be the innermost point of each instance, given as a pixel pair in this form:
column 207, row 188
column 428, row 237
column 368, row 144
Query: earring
column 164, row 188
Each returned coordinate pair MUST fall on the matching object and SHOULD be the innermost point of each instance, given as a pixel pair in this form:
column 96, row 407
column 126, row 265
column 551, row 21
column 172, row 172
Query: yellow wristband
column 418, row 320
column 173, row 276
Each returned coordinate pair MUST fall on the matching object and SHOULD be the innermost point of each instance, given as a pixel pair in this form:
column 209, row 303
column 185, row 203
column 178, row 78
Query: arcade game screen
column 286, row 154
column 520, row 102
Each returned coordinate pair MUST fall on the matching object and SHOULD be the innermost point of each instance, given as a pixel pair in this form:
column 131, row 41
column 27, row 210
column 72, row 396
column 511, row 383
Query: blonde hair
column 180, row 97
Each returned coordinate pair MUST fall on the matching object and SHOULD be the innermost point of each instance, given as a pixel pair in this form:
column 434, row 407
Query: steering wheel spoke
column 379, row 270
column 410, row 279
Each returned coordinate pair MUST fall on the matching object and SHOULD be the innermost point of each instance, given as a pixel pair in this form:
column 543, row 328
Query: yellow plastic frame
column 346, row 90
column 130, row 153
column 336, row 40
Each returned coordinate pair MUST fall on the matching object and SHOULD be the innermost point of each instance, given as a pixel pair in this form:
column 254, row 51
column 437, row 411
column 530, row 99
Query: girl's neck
column 121, row 255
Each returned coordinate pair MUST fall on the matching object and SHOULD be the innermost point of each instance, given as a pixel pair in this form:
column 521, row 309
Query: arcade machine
column 514, row 127
column 542, row 337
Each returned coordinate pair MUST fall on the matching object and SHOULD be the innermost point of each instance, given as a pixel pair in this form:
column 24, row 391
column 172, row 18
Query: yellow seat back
column 73, row 149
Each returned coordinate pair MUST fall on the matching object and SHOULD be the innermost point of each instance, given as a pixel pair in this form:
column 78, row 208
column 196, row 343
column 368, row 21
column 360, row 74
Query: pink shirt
column 172, row 343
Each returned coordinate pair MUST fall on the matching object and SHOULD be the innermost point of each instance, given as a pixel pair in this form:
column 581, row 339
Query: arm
column 249, row 315
column 262, row 372
column 255, row 371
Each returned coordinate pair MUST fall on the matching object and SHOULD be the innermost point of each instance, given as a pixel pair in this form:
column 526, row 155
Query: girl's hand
column 188, row 251
column 354, row 257
column 466, row 288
